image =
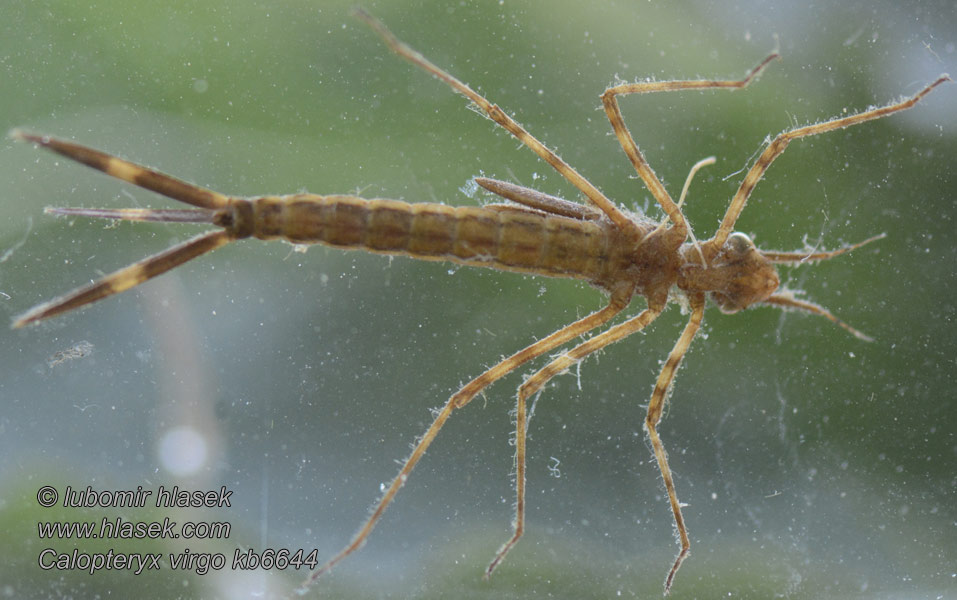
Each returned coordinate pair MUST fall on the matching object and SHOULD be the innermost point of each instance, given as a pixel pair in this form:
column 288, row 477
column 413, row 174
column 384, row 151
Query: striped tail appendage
column 543, row 239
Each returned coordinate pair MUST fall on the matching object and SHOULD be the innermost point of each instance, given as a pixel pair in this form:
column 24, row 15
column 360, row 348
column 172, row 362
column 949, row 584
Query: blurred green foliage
column 814, row 465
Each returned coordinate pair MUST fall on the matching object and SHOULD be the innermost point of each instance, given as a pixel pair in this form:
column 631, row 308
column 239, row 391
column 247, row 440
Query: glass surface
column 812, row 464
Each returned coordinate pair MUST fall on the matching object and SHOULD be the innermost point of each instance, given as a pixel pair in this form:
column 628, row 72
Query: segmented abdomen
column 503, row 238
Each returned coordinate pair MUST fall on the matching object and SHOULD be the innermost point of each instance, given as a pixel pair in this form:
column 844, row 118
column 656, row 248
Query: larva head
column 750, row 277
column 737, row 276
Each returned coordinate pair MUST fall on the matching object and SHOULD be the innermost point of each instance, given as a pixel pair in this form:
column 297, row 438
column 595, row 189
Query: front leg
column 655, row 407
column 609, row 100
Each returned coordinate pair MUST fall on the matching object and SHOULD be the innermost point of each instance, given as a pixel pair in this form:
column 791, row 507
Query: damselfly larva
column 622, row 254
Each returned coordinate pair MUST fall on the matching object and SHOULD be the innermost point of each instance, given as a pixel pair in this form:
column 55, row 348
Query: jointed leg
column 598, row 318
column 610, row 101
column 776, row 147
column 619, row 301
column 497, row 115
column 533, row 385
column 655, row 407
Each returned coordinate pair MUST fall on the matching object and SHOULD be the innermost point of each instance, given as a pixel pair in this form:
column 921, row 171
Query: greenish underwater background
column 813, row 465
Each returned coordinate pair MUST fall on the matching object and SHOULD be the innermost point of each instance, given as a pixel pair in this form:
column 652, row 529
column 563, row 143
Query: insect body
column 622, row 254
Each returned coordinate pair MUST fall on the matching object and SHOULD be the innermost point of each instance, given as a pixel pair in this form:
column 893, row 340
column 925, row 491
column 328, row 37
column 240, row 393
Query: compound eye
column 740, row 243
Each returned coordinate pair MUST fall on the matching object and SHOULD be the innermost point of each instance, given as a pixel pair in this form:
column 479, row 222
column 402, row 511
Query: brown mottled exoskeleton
column 624, row 255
